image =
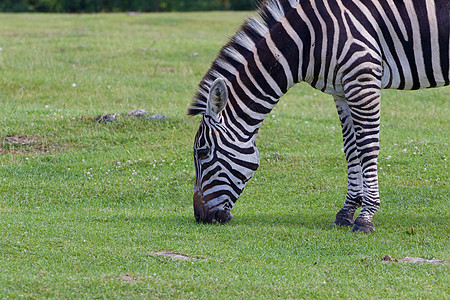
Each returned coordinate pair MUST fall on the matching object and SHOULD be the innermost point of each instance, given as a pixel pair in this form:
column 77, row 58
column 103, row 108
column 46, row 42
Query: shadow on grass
column 317, row 221
column 308, row 219
column 312, row 221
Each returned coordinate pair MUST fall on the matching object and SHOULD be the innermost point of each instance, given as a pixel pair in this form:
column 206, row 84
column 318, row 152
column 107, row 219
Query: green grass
column 84, row 206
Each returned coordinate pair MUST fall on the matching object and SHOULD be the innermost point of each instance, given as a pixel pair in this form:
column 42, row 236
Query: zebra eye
column 202, row 153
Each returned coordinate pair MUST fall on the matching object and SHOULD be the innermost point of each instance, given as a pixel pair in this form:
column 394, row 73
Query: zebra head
column 224, row 159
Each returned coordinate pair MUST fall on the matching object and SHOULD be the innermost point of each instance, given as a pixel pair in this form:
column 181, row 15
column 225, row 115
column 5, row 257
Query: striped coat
column 348, row 49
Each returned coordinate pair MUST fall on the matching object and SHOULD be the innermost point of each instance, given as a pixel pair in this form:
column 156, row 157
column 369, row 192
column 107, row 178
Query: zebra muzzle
column 204, row 214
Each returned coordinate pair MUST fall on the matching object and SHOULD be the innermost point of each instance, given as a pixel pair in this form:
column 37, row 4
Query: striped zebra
column 349, row 49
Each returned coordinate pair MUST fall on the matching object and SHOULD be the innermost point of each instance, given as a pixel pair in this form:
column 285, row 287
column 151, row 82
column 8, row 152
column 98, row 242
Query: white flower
column 74, row 84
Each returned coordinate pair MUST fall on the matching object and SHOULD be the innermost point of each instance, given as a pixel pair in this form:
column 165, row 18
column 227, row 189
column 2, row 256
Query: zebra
column 349, row 49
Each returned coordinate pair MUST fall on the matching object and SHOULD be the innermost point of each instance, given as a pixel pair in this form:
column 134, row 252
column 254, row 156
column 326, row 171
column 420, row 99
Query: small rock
column 195, row 54
column 137, row 113
column 275, row 155
column 106, row 118
column 387, row 257
column 157, row 117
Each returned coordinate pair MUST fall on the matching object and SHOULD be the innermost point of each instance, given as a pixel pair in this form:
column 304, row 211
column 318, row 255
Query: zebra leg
column 355, row 183
column 364, row 104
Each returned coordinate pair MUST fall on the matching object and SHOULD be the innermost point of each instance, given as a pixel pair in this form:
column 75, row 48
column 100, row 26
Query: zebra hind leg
column 364, row 104
column 354, row 196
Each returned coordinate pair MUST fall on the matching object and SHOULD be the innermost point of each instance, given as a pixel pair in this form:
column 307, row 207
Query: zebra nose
column 206, row 215
column 223, row 216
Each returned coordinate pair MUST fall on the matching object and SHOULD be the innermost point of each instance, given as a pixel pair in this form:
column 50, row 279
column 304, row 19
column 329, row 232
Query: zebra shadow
column 323, row 220
column 317, row 220
column 391, row 221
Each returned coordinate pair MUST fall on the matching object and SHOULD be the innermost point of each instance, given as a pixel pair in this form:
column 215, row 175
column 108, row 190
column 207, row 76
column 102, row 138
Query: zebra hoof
column 343, row 222
column 344, row 218
column 363, row 225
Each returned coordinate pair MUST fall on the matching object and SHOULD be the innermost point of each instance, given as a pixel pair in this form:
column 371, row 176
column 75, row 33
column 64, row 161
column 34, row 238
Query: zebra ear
column 217, row 99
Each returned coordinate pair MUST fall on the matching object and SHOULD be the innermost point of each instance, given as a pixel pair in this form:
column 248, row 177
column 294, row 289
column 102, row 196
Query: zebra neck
column 245, row 111
column 260, row 64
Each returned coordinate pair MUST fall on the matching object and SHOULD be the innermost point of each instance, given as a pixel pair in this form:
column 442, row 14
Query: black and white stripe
column 349, row 49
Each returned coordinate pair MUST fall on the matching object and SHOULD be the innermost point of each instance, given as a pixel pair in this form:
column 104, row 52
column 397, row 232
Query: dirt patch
column 173, row 255
column 415, row 260
column 22, row 145
column 22, row 140
column 128, row 278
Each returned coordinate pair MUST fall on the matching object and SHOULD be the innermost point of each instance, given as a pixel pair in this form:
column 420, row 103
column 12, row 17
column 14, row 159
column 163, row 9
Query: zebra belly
column 414, row 44
column 393, row 79
column 394, row 82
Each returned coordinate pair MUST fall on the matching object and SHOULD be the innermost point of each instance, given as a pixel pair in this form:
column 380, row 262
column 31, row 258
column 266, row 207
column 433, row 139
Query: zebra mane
column 240, row 46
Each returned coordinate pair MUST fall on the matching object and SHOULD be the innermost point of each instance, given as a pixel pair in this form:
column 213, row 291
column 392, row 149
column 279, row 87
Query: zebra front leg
column 354, row 196
column 364, row 105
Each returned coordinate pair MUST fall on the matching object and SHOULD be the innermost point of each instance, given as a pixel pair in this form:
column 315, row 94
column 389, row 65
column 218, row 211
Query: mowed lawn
column 85, row 207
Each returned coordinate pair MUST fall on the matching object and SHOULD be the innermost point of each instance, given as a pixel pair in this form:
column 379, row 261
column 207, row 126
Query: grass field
column 85, row 207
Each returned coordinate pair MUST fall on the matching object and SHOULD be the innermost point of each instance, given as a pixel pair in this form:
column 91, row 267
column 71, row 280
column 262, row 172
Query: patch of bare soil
column 23, row 140
column 128, row 278
column 22, row 144
column 173, row 255
column 415, row 260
